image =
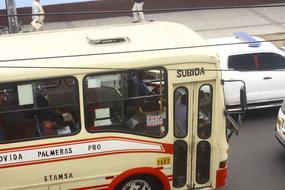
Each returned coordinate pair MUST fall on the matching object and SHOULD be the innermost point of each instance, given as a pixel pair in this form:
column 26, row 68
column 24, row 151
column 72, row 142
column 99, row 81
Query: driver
column 142, row 89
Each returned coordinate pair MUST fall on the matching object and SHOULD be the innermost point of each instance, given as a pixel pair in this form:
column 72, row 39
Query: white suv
column 261, row 65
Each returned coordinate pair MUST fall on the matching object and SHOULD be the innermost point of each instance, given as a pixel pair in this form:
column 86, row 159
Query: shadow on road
column 264, row 113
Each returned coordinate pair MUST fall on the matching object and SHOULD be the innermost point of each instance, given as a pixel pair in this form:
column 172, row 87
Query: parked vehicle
column 259, row 64
column 280, row 125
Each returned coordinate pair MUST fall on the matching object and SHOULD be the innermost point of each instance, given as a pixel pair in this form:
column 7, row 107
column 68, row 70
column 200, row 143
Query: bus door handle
column 267, row 78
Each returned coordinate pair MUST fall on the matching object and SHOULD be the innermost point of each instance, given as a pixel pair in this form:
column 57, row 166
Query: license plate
column 163, row 161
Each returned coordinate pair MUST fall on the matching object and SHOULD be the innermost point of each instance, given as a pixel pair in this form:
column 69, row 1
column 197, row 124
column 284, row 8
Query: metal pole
column 12, row 20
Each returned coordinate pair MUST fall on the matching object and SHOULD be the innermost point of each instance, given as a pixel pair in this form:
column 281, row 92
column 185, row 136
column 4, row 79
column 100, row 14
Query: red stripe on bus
column 170, row 177
column 168, row 148
column 109, row 177
column 58, row 159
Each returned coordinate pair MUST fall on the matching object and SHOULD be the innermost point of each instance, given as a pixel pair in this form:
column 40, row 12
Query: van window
column 128, row 102
column 38, row 109
column 271, row 61
column 244, row 62
column 256, row 61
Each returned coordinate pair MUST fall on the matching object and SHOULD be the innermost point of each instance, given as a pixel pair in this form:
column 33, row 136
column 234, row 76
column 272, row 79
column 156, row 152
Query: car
column 280, row 125
column 257, row 63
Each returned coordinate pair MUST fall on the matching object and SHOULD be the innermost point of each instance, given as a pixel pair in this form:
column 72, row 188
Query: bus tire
column 138, row 182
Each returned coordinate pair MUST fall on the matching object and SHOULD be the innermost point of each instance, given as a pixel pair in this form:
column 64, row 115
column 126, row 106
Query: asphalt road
column 257, row 160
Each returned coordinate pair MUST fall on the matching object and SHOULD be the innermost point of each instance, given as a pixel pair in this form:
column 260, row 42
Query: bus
column 121, row 107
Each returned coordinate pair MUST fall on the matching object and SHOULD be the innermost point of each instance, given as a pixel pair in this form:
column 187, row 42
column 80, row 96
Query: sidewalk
column 208, row 23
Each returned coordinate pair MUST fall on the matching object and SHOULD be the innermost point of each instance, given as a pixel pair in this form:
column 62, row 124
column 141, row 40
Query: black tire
column 143, row 182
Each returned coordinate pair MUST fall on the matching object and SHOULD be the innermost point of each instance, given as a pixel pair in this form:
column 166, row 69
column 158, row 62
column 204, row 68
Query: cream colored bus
column 125, row 107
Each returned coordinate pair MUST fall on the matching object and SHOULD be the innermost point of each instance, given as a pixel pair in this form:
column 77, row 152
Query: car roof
column 237, row 46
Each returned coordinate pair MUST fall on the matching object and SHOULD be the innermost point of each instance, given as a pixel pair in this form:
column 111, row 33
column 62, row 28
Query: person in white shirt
column 38, row 20
column 138, row 6
column 181, row 116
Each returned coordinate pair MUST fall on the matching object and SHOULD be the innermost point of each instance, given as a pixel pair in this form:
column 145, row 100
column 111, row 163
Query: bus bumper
column 221, row 177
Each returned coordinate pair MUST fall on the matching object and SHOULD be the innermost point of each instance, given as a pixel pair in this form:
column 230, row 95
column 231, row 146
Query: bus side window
column 124, row 102
column 205, row 111
column 34, row 103
column 181, row 112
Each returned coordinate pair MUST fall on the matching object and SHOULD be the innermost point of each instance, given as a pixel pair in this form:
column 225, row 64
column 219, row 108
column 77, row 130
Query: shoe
column 135, row 21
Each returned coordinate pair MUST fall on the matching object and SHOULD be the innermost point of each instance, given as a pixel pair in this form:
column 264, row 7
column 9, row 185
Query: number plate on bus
column 163, row 161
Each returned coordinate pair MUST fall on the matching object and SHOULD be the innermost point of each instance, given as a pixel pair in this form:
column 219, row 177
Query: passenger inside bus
column 139, row 88
column 50, row 121
column 144, row 107
column 205, row 108
column 124, row 102
column 43, row 108
column 181, row 116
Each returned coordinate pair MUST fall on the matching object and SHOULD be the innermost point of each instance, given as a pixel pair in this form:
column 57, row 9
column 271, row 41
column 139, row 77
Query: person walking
column 38, row 20
column 137, row 8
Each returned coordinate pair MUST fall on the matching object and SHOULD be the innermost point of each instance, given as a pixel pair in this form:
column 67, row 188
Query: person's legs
column 140, row 8
column 135, row 14
column 42, row 26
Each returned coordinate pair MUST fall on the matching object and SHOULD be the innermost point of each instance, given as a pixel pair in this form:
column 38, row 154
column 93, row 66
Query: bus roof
column 112, row 46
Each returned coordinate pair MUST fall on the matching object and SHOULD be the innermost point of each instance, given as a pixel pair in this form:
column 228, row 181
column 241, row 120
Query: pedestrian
column 38, row 20
column 138, row 6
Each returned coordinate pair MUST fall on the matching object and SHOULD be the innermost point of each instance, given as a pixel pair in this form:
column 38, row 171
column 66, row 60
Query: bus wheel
column 140, row 182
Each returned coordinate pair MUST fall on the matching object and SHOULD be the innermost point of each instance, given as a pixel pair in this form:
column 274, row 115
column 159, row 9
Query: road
column 257, row 160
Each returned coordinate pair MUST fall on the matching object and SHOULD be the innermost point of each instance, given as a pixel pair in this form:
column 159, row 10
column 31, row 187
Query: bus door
column 192, row 121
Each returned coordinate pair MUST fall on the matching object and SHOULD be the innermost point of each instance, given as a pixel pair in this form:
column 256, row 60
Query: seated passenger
column 54, row 124
column 50, row 122
column 49, row 125
column 137, row 88
column 65, row 124
column 181, row 116
column 44, row 117
column 141, row 87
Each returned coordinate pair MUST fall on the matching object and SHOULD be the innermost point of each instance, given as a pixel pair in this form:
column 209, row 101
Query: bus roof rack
column 245, row 37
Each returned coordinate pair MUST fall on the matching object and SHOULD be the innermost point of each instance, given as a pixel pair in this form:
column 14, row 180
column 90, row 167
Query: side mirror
column 234, row 117
column 232, row 126
column 243, row 98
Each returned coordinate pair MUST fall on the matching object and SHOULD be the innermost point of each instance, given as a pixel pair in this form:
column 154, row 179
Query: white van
column 259, row 64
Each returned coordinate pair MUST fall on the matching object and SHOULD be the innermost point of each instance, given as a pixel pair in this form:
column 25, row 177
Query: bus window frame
column 211, row 109
column 187, row 113
column 165, row 94
column 77, row 99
